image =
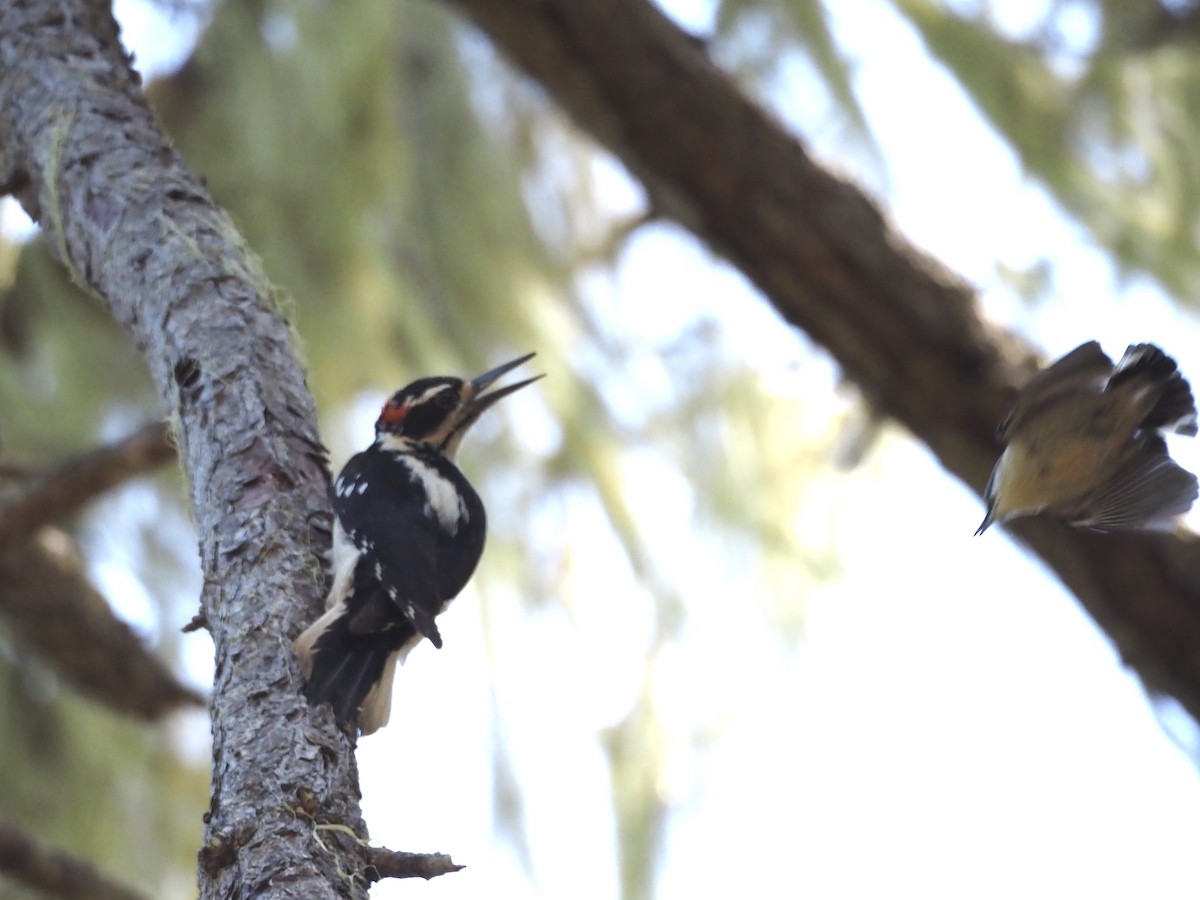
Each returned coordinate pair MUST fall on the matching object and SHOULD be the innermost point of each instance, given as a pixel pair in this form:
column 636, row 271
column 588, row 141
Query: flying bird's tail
column 1152, row 370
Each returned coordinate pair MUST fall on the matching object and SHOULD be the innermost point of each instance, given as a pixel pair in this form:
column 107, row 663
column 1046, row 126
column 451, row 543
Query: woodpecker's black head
column 439, row 411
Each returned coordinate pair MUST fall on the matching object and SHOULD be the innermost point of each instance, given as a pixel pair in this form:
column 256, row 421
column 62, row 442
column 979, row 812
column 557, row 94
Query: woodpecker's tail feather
column 1175, row 409
column 307, row 640
column 376, row 707
column 348, row 670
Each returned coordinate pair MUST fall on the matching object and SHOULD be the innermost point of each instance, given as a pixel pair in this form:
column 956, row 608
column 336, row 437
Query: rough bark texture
column 81, row 151
column 905, row 330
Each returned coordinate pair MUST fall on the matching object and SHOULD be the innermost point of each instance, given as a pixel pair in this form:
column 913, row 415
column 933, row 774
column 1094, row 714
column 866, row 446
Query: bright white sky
column 952, row 727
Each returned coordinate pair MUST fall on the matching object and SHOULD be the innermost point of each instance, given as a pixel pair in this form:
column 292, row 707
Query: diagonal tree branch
column 38, row 865
column 48, row 599
column 83, row 154
column 61, row 491
column 907, row 331
column 55, row 611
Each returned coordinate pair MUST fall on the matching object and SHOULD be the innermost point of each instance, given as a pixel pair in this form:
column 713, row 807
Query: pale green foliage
column 1099, row 100
column 348, row 150
column 636, row 749
column 760, row 38
column 1108, row 122
column 107, row 788
column 63, row 361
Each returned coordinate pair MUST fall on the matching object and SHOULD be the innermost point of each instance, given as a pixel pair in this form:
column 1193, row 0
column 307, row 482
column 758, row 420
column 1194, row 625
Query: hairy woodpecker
column 408, row 532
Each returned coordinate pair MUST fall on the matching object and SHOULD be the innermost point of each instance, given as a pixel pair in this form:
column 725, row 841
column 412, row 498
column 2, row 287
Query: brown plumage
column 1084, row 443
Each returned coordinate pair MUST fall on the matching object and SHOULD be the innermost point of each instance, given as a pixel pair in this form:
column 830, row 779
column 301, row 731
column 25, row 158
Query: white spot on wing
column 344, row 487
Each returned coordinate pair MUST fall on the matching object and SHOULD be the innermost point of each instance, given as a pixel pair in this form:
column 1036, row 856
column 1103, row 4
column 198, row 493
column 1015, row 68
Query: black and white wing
column 382, row 511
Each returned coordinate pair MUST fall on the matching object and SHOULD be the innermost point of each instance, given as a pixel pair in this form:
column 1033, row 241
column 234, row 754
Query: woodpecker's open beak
column 477, row 401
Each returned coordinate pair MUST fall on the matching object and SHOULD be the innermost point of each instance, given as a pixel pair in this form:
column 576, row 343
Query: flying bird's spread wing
column 1086, row 368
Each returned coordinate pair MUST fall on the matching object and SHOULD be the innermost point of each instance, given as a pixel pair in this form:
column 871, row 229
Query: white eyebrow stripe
column 429, row 394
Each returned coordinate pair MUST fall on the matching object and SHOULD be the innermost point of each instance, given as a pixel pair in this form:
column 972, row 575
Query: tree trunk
column 83, row 154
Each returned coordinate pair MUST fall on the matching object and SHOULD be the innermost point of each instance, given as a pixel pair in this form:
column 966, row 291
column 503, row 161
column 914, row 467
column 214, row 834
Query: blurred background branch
column 52, row 606
column 55, row 493
column 53, row 609
column 55, row 874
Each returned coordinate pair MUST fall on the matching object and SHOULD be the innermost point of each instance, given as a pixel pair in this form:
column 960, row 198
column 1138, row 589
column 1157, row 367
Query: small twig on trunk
column 384, row 863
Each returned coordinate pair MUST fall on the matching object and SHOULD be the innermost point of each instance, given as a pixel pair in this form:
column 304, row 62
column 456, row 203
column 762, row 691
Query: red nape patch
column 393, row 413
